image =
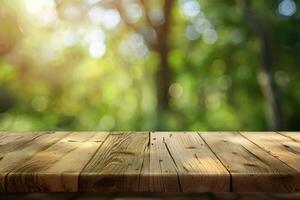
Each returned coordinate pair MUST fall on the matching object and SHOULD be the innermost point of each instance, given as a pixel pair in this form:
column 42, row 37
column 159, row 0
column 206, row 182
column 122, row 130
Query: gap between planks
column 251, row 168
column 54, row 165
column 230, row 175
column 268, row 151
column 78, row 181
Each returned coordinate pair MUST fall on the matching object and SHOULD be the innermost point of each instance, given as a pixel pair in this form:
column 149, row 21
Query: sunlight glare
column 97, row 50
column 38, row 6
column 45, row 10
column 95, row 39
column 109, row 18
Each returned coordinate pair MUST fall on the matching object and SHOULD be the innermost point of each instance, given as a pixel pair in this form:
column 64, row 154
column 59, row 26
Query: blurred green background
column 149, row 65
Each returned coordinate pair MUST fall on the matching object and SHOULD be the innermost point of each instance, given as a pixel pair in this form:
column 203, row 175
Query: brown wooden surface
column 252, row 169
column 56, row 168
column 177, row 160
column 150, row 196
column 150, row 162
column 117, row 164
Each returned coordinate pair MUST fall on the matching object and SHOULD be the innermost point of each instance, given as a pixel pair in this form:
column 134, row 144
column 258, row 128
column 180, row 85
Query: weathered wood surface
column 177, row 160
column 56, row 168
column 117, row 164
column 150, row 196
column 252, row 169
column 150, row 162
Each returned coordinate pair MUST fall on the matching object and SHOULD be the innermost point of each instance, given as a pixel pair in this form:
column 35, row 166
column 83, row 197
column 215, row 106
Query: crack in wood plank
column 168, row 150
column 269, row 152
column 230, row 175
column 55, row 167
column 111, row 169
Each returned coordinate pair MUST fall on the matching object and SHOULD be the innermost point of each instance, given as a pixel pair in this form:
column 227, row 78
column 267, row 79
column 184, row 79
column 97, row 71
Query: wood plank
column 144, row 178
column 9, row 142
column 155, row 162
column 57, row 168
column 150, row 196
column 182, row 161
column 117, row 165
column 16, row 148
column 252, row 169
column 283, row 148
column 163, row 171
column 293, row 135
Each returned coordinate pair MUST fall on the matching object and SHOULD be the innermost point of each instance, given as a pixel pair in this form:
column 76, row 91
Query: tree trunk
column 274, row 113
column 164, row 74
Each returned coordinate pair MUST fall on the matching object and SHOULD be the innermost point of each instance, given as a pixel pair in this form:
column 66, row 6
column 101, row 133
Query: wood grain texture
column 117, row 165
column 292, row 135
column 183, row 162
column 281, row 147
column 149, row 162
column 252, row 169
column 163, row 170
column 151, row 196
column 56, row 168
column 16, row 148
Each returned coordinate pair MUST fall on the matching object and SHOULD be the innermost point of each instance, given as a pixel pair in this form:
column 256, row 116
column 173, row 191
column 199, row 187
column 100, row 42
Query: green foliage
column 52, row 78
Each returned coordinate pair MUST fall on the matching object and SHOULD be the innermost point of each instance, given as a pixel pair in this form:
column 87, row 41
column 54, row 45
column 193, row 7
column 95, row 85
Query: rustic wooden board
column 251, row 168
column 281, row 147
column 183, row 162
column 293, row 135
column 16, row 148
column 151, row 196
column 117, row 165
column 56, row 168
column 149, row 162
column 144, row 178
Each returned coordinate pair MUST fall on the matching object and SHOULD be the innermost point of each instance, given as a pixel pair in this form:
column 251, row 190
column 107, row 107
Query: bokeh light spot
column 92, row 2
column 70, row 38
column 191, row 8
column 134, row 12
column 191, row 33
column 287, row 8
column 210, row 36
column 97, row 50
column 111, row 18
column 175, row 90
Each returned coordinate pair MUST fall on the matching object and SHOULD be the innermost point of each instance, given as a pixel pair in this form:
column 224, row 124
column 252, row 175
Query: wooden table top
column 149, row 162
column 149, row 196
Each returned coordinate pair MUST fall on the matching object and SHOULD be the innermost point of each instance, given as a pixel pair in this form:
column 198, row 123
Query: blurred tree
column 155, row 30
column 7, row 99
column 274, row 112
column 149, row 65
column 11, row 35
